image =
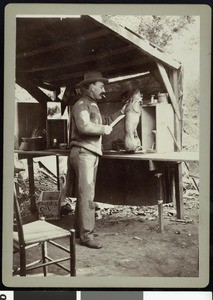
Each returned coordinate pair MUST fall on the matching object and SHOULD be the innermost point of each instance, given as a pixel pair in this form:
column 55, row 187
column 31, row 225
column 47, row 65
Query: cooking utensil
column 32, row 143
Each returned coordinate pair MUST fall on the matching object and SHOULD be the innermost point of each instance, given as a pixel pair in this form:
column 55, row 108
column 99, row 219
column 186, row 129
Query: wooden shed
column 52, row 53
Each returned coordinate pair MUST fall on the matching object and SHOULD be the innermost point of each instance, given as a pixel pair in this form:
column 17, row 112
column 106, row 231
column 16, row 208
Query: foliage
column 160, row 29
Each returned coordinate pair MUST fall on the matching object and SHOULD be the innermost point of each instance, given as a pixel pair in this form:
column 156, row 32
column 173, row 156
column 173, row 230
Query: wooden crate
column 156, row 120
column 49, row 205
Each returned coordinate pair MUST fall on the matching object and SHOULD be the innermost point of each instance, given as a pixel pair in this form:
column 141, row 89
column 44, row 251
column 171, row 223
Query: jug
column 163, row 97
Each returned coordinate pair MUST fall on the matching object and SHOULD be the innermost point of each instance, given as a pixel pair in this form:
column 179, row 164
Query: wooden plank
column 125, row 183
column 140, row 44
column 180, row 98
column 169, row 157
column 29, row 117
column 85, row 59
column 166, row 157
column 174, row 79
column 139, row 63
column 173, row 76
column 169, row 89
column 34, row 91
column 179, row 190
column 70, row 43
column 58, row 172
column 45, row 86
column 148, row 124
column 31, row 184
column 164, row 119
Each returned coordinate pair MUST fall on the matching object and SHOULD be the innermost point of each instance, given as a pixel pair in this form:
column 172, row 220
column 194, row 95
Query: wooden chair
column 41, row 233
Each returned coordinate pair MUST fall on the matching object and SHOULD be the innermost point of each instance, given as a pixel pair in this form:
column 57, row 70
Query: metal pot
column 32, row 144
column 163, row 97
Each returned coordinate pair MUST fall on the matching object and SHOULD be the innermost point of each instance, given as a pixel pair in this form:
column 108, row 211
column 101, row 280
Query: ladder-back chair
column 41, row 233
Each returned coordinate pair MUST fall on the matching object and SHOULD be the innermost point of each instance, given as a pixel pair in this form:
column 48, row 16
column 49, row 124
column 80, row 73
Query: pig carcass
column 133, row 111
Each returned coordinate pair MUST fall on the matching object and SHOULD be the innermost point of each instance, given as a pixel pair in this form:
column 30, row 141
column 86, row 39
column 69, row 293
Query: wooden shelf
column 155, row 121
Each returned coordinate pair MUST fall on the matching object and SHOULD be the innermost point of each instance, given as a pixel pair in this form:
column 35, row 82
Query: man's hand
column 107, row 129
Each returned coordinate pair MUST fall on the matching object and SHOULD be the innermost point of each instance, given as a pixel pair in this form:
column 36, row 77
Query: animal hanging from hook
column 133, row 110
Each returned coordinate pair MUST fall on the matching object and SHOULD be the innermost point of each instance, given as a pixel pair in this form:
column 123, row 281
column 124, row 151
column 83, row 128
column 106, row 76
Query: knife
column 117, row 120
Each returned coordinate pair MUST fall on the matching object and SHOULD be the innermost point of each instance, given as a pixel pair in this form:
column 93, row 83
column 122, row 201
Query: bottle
column 152, row 98
column 54, row 143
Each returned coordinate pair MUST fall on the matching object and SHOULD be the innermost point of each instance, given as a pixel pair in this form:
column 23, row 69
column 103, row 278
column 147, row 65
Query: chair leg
column 44, row 254
column 72, row 253
column 22, row 257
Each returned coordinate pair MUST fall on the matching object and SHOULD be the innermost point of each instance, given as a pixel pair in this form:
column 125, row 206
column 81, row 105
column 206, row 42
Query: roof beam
column 108, row 68
column 141, row 44
column 86, row 59
column 66, row 44
column 33, row 90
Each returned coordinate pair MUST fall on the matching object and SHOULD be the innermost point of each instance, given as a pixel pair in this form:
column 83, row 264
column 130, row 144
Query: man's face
column 97, row 90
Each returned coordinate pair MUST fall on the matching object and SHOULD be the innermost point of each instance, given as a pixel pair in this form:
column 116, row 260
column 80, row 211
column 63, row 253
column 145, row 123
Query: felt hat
column 93, row 76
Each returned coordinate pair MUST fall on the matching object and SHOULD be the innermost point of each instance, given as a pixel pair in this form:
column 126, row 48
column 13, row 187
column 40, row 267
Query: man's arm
column 81, row 116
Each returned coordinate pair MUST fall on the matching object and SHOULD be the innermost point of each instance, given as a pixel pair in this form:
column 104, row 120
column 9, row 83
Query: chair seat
column 40, row 231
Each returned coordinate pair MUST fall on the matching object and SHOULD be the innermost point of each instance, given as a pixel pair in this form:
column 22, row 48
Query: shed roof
column 55, row 52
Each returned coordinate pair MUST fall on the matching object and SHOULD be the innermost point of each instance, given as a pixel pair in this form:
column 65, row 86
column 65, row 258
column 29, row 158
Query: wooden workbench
column 127, row 178
column 168, row 157
column 172, row 156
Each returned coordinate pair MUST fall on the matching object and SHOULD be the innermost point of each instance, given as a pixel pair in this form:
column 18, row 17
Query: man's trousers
column 85, row 164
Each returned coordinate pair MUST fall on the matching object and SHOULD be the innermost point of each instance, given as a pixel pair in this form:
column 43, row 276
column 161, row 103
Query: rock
column 137, row 238
column 141, row 213
column 172, row 212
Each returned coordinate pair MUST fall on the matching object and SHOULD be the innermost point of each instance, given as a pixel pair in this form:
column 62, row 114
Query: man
column 88, row 126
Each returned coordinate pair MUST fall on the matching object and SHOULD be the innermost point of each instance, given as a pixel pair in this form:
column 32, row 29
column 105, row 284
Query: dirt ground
column 133, row 245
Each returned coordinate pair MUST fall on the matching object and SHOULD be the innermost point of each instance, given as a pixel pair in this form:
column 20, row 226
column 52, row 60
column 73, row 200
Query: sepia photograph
column 107, row 139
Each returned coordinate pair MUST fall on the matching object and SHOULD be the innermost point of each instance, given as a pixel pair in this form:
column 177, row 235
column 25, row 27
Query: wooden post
column 58, row 173
column 31, row 184
column 44, row 255
column 72, row 253
column 176, row 82
column 160, row 200
column 171, row 83
column 178, row 189
column 169, row 88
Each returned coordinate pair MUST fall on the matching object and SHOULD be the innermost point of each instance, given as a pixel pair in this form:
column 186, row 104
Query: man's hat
column 93, row 76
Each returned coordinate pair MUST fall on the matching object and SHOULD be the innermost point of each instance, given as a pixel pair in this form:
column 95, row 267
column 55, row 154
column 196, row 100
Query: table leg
column 58, row 173
column 31, row 184
column 160, row 213
column 160, row 200
column 178, row 190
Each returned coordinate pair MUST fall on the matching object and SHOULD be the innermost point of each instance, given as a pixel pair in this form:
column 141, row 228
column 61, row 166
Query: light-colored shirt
column 88, row 124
